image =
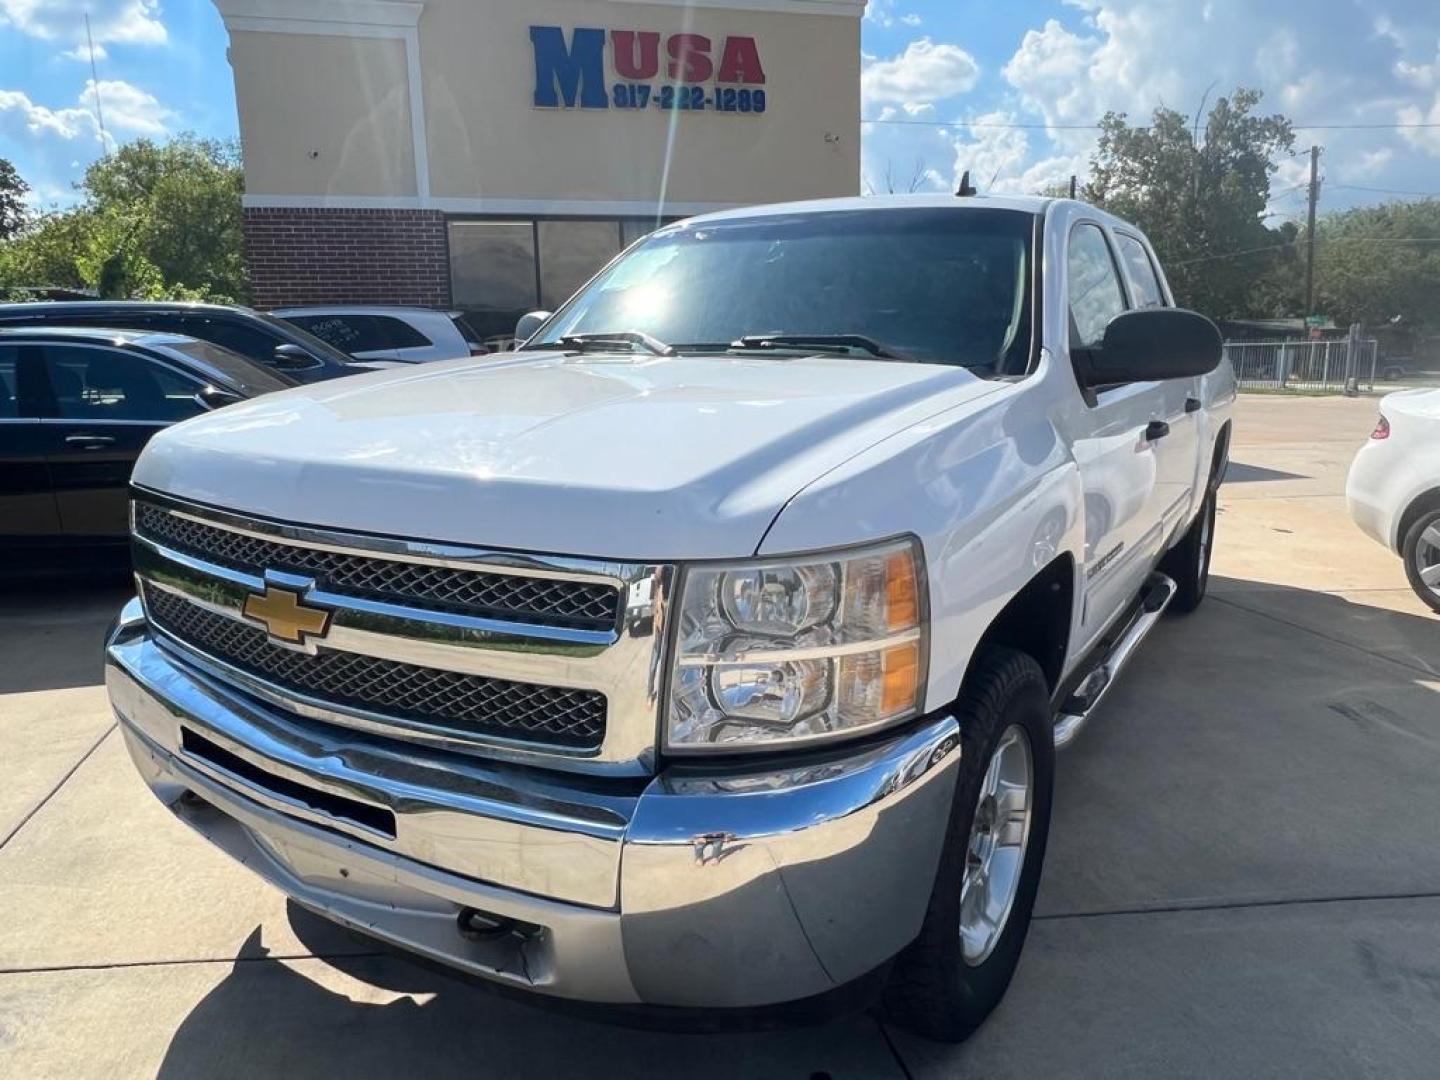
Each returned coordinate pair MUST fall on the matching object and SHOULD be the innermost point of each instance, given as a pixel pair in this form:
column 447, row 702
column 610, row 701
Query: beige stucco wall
column 487, row 138
column 347, row 98
column 323, row 115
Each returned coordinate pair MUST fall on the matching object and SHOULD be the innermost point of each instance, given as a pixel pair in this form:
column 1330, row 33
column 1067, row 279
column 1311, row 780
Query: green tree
column 12, row 200
column 175, row 207
column 1380, row 264
column 1200, row 200
column 155, row 221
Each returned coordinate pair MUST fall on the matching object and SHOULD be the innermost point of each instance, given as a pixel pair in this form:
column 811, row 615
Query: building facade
column 489, row 155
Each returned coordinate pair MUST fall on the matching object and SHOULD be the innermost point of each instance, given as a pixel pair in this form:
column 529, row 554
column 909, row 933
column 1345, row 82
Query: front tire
column 1188, row 562
column 947, row 981
column 1421, row 551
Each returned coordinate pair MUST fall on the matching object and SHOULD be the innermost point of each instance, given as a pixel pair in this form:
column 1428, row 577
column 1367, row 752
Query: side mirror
column 1151, row 343
column 528, row 324
column 289, row 357
column 213, row 397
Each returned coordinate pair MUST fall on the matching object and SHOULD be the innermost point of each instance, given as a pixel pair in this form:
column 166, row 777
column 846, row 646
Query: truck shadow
column 295, row 1018
column 51, row 634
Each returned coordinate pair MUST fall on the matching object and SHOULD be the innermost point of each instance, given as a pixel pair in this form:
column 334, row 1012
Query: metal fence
column 1336, row 364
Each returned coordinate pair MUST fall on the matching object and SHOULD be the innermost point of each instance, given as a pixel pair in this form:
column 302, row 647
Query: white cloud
column 129, row 109
column 81, row 53
column 882, row 13
column 59, row 142
column 925, row 72
column 135, row 22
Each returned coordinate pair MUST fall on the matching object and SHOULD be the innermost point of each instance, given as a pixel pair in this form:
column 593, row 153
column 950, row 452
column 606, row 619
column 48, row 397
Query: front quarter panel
column 990, row 489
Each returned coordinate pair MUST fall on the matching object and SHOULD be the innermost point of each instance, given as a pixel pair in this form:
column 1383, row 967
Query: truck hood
column 615, row 457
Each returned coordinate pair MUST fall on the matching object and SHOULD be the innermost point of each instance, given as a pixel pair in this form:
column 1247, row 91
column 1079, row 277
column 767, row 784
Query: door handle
column 90, row 442
column 1192, row 404
column 1156, row 429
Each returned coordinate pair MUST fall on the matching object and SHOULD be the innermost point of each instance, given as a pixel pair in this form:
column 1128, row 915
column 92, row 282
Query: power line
column 1387, row 191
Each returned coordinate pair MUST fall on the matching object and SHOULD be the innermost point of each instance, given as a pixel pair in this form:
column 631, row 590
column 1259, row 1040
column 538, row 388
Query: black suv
column 262, row 338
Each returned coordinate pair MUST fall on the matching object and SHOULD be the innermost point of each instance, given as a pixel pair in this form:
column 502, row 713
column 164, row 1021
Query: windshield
column 312, row 344
column 250, row 379
column 940, row 286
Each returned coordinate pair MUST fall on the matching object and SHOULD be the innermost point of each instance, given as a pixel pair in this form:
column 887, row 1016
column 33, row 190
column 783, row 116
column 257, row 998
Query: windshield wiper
column 842, row 344
column 609, row 339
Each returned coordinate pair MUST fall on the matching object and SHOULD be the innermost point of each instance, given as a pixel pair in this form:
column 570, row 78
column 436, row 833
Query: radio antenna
column 95, row 86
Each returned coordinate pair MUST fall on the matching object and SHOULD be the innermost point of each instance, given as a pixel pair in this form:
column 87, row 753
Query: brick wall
column 314, row 256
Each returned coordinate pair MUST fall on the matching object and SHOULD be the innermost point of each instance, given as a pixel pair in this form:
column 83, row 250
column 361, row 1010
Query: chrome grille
column 467, row 705
column 540, row 600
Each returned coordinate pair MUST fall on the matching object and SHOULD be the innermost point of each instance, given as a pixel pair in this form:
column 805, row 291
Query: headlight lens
column 783, row 651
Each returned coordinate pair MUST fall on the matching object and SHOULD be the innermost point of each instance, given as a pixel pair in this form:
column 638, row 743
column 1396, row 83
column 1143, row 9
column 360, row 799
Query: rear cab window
column 1140, row 272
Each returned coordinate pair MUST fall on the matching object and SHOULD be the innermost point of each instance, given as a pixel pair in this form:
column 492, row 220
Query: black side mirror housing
column 290, row 357
column 1148, row 344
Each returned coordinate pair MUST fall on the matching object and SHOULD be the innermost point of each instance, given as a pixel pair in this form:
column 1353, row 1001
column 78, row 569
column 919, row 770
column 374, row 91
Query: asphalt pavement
column 1243, row 876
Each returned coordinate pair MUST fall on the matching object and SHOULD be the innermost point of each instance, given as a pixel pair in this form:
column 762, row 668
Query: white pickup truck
column 711, row 649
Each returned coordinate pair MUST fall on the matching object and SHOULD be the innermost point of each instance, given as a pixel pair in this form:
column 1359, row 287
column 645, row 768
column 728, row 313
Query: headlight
column 783, row 651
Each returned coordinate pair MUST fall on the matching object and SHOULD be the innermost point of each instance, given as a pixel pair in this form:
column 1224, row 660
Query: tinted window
column 248, row 341
column 1094, row 288
column 940, row 286
column 243, row 375
column 9, row 382
column 401, row 334
column 1144, row 283
column 97, row 384
column 466, row 330
column 290, row 334
column 492, row 267
column 571, row 253
column 350, row 333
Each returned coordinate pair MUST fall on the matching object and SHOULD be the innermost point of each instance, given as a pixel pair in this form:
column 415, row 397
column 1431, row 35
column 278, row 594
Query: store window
column 632, row 229
column 571, row 253
column 492, row 272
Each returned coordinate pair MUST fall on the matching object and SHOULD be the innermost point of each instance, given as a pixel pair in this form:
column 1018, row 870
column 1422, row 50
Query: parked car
column 261, row 338
column 411, row 334
column 712, row 651
column 76, row 408
column 1394, row 486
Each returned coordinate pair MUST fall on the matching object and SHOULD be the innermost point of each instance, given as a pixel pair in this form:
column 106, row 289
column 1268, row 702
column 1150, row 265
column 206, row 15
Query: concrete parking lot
column 1243, row 876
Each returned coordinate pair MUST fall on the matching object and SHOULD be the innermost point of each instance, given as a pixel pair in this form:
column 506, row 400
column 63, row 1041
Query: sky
column 1008, row 91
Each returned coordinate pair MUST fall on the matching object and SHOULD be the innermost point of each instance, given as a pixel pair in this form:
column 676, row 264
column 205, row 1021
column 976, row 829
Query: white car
column 410, row 334
column 713, row 649
column 1394, row 486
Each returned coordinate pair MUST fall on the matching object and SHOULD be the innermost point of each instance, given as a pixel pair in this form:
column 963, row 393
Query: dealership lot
column 1242, row 877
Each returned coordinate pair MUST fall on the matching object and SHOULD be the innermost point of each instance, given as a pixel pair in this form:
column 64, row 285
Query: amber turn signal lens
column 900, row 665
column 902, row 597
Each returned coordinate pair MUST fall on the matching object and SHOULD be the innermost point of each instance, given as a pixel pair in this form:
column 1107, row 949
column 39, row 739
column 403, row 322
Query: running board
column 1155, row 597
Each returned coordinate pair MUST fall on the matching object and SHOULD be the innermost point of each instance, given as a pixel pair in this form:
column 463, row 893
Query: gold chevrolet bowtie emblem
column 284, row 616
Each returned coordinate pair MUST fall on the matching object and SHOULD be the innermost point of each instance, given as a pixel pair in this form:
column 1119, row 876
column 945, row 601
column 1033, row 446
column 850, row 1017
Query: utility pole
column 1072, row 185
column 1310, row 231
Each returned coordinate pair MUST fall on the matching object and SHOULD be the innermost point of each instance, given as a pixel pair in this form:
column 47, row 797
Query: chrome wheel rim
column 1427, row 558
column 995, row 853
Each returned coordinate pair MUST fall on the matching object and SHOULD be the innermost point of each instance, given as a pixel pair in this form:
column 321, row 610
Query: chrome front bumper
column 694, row 888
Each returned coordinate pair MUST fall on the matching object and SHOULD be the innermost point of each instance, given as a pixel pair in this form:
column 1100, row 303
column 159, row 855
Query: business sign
column 628, row 69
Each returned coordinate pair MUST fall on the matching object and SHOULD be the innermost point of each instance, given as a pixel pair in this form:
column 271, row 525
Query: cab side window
column 1140, row 271
column 97, row 384
column 1095, row 296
